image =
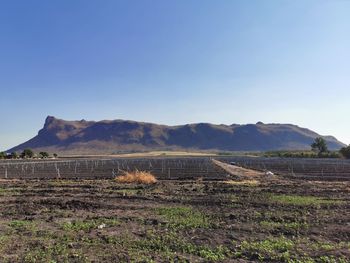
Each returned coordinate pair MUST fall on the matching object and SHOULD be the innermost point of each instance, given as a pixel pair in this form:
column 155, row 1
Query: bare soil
column 239, row 172
column 258, row 220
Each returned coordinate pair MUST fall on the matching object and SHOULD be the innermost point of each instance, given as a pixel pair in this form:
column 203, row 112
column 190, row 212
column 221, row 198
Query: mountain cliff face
column 89, row 137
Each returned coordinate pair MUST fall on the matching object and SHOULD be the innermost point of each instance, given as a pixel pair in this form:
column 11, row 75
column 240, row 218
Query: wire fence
column 162, row 168
column 307, row 168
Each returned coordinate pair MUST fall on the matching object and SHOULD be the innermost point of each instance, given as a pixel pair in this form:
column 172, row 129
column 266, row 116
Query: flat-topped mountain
column 111, row 136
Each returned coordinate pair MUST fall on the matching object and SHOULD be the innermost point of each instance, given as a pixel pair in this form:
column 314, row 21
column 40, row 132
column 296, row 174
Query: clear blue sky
column 174, row 62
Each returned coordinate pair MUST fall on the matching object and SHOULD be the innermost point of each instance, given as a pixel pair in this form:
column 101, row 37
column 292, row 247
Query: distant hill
column 104, row 137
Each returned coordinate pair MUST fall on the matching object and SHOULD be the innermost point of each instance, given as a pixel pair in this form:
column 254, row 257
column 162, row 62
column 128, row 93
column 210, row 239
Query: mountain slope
column 89, row 137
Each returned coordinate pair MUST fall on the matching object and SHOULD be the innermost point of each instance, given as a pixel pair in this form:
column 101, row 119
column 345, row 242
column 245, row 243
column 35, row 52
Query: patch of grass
column 322, row 259
column 8, row 191
column 129, row 192
column 277, row 249
column 293, row 227
column 138, row 177
column 168, row 247
column 298, row 200
column 332, row 259
column 184, row 217
column 328, row 246
column 65, row 182
column 171, row 242
column 59, row 251
column 87, row 225
column 244, row 183
column 4, row 241
column 22, row 225
column 283, row 249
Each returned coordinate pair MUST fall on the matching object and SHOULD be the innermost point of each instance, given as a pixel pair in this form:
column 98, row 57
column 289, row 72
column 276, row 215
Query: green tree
column 345, row 151
column 3, row 155
column 43, row 155
column 14, row 155
column 319, row 146
column 27, row 153
column 55, row 155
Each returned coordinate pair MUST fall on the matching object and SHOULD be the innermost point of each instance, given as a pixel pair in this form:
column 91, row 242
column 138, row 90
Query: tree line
column 26, row 154
column 319, row 149
column 320, row 146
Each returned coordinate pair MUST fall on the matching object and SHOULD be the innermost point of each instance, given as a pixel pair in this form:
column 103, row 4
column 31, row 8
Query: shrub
column 44, row 155
column 27, row 153
column 139, row 177
column 345, row 151
column 14, row 155
column 2, row 155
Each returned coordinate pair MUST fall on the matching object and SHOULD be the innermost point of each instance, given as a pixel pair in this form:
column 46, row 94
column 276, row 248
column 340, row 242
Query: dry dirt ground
column 175, row 221
column 239, row 173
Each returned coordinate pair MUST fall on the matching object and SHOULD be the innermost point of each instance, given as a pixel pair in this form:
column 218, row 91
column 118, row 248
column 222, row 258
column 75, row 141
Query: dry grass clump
column 244, row 182
column 138, row 177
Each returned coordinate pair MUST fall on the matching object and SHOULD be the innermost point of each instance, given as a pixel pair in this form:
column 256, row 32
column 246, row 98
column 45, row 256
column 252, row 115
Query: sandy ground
column 239, row 172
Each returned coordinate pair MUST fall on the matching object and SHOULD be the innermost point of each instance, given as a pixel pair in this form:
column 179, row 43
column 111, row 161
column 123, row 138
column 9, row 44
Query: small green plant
column 3, row 155
column 184, row 217
column 290, row 227
column 8, row 191
column 170, row 243
column 345, row 152
column 268, row 249
column 21, row 225
column 18, row 223
column 299, row 200
column 59, row 251
column 328, row 246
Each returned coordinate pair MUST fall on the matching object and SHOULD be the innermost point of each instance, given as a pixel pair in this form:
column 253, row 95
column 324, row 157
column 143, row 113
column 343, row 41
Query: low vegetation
column 319, row 146
column 244, row 182
column 89, row 224
column 184, row 217
column 26, row 154
column 196, row 218
column 345, row 151
column 272, row 249
column 291, row 221
column 319, row 149
column 301, row 200
column 302, row 154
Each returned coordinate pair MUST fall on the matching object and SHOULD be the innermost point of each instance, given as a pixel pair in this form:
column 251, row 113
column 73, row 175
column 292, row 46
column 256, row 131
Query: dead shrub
column 138, row 177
